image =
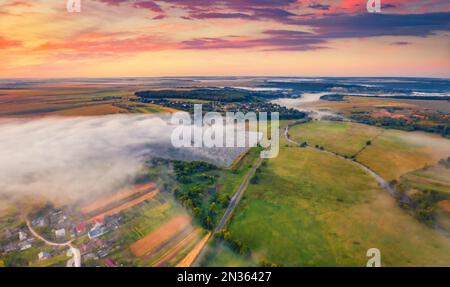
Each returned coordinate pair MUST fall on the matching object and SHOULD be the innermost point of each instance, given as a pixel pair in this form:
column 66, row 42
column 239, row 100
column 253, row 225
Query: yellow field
column 190, row 258
column 391, row 152
column 397, row 152
column 340, row 137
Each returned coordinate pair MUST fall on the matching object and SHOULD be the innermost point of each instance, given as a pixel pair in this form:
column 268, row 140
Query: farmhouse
column 98, row 230
column 60, row 233
column 80, row 228
column 43, row 255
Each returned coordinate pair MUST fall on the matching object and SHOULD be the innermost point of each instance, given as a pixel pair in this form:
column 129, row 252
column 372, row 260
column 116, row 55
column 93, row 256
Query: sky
column 142, row 38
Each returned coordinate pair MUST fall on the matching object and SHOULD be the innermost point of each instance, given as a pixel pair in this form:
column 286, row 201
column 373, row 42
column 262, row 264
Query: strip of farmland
column 126, row 205
column 155, row 239
column 190, row 258
column 172, row 253
column 116, row 197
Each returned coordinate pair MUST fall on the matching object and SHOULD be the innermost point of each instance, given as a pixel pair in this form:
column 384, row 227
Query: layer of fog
column 74, row 158
column 303, row 104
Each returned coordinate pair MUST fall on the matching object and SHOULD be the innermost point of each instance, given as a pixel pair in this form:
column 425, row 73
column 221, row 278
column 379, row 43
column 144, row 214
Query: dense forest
column 210, row 94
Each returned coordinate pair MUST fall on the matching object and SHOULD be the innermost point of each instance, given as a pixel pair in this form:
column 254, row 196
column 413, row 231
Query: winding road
column 381, row 181
column 75, row 261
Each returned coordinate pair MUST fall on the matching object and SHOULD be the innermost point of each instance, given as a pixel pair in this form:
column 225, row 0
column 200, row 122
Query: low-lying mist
column 79, row 158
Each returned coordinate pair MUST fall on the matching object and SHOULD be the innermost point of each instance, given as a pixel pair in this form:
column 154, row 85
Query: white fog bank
column 79, row 157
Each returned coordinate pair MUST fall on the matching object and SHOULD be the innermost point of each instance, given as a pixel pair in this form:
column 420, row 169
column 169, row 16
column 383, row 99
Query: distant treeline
column 402, row 124
column 210, row 94
column 221, row 101
column 333, row 97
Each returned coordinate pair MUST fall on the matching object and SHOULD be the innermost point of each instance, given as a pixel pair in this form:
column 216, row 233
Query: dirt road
column 75, row 261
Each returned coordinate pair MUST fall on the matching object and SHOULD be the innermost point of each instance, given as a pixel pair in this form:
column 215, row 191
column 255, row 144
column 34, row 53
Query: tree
column 212, row 208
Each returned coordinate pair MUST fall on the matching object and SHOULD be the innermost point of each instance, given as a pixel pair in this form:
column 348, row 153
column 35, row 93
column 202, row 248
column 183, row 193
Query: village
column 58, row 227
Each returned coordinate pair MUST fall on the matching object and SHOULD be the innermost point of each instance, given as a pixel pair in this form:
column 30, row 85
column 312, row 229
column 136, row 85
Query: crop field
column 433, row 178
column 71, row 101
column 126, row 205
column 178, row 248
column 118, row 196
column 314, row 209
column 155, row 239
column 144, row 219
column 391, row 153
column 397, row 152
column 361, row 103
column 192, row 255
column 352, row 104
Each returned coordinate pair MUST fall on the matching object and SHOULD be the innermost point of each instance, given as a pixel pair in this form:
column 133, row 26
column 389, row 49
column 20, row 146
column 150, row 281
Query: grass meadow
column 314, row 209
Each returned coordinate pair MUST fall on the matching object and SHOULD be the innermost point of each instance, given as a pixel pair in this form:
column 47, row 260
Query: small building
column 80, row 228
column 60, row 233
column 97, row 231
column 25, row 246
column 22, row 236
column 98, row 221
column 40, row 222
column 43, row 255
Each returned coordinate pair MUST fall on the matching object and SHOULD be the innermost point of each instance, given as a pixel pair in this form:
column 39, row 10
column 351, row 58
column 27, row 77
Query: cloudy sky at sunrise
column 230, row 37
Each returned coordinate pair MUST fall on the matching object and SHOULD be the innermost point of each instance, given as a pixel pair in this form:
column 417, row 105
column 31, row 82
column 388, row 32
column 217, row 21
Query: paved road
column 75, row 261
column 237, row 196
column 231, row 206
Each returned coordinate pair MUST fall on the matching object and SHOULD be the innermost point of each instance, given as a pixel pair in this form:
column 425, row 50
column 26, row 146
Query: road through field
column 381, row 181
column 403, row 197
column 231, row 206
column 237, row 196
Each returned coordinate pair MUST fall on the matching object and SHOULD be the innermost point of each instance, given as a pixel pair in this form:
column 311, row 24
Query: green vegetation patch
column 314, row 209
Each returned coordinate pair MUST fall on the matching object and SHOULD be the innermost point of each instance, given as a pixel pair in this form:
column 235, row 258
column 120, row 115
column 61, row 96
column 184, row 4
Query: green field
column 340, row 137
column 429, row 188
column 314, row 209
column 397, row 152
column 230, row 179
column 391, row 153
column 219, row 255
column 433, row 178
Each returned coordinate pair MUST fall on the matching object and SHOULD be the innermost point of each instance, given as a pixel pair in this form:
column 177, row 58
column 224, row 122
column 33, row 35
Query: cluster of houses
column 96, row 248
column 57, row 221
column 17, row 239
column 57, row 225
